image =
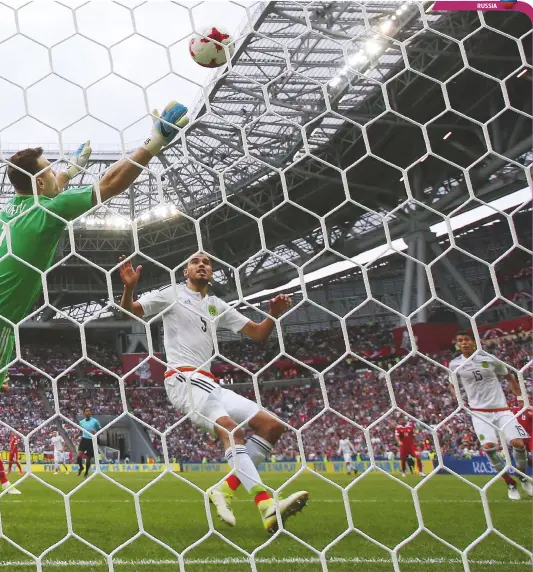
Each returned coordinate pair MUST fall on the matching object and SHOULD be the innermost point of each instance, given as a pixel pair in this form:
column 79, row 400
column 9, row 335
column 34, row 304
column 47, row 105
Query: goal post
column 110, row 455
column 367, row 140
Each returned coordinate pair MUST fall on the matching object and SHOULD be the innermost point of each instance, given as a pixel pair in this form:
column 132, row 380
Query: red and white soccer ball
column 206, row 48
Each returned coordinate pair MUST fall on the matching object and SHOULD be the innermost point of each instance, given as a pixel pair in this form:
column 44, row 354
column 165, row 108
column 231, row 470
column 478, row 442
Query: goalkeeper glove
column 79, row 159
column 163, row 130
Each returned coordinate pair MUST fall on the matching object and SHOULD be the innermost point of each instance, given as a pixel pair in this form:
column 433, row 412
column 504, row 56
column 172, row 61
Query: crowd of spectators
column 420, row 389
column 23, row 409
column 326, row 343
column 55, row 358
column 364, row 396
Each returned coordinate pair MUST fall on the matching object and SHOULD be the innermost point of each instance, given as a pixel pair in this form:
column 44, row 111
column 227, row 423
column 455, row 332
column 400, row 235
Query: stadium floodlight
column 372, row 47
column 385, row 26
column 357, row 58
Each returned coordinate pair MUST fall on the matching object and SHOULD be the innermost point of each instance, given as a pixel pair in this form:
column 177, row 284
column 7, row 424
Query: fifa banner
column 150, row 370
column 109, row 468
column 474, row 466
column 292, row 467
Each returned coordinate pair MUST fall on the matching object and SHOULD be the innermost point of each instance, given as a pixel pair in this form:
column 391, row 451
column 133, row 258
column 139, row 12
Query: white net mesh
column 347, row 155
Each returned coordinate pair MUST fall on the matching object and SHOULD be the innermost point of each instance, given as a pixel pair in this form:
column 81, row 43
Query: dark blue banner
column 474, row 466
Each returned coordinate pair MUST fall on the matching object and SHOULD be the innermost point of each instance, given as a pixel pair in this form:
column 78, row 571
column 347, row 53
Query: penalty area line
column 226, row 561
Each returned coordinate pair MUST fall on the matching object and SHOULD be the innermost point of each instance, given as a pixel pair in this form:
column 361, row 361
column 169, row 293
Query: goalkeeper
column 33, row 225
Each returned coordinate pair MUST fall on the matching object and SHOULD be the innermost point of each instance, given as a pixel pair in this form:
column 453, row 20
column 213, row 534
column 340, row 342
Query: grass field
column 172, row 511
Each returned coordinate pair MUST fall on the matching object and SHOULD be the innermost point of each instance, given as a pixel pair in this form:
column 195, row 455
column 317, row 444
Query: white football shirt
column 479, row 377
column 346, row 447
column 190, row 324
column 58, row 442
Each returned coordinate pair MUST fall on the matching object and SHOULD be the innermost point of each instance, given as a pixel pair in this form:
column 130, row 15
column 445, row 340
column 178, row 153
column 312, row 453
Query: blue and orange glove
column 165, row 127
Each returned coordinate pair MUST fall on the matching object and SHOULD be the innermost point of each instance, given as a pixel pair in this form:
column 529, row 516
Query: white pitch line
column 167, row 501
column 226, row 561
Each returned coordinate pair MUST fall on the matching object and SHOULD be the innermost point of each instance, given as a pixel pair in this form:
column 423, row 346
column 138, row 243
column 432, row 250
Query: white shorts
column 483, row 426
column 58, row 456
column 207, row 400
column 347, row 457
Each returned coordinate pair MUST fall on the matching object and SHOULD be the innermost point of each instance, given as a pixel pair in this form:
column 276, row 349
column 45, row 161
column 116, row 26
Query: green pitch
column 172, row 511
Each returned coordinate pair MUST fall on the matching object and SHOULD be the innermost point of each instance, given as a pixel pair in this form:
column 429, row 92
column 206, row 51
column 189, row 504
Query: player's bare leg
column 520, row 457
column 80, row 463
column 5, row 483
column 419, row 466
column 491, row 450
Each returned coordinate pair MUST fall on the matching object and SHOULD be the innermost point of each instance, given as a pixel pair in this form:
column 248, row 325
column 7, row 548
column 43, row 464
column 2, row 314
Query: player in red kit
column 405, row 438
column 14, row 453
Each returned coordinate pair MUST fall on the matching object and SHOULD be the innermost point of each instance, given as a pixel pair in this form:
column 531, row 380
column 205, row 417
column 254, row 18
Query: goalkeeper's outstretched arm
column 123, row 173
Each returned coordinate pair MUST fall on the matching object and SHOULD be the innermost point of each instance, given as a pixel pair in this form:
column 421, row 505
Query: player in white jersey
column 478, row 374
column 347, row 450
column 58, row 443
column 190, row 319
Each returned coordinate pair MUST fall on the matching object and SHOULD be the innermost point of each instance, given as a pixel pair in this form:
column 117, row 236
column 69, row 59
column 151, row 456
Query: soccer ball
column 205, row 50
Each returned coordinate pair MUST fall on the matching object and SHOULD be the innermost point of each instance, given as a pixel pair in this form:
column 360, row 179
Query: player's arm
column 514, row 386
column 397, row 438
column 260, row 331
column 452, row 386
column 148, row 304
column 77, row 162
column 74, row 202
column 129, row 278
column 123, row 174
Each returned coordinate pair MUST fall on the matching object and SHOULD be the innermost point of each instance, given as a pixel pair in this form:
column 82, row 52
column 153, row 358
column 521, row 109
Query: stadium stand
column 355, row 391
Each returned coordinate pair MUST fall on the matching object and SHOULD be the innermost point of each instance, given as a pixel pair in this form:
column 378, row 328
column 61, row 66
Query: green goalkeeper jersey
column 34, row 233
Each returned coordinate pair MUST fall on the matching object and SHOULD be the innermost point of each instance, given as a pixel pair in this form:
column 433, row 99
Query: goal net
column 110, row 455
column 372, row 160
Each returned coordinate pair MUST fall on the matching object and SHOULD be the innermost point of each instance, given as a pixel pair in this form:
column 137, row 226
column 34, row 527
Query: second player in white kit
column 58, row 444
column 348, row 450
column 479, row 376
column 190, row 320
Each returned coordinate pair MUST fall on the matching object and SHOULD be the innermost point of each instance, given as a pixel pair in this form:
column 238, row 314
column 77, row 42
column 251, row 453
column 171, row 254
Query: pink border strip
column 487, row 6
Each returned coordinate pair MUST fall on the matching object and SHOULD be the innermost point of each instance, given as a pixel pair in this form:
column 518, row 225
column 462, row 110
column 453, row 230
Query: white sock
column 349, row 467
column 520, row 457
column 258, row 449
column 246, row 471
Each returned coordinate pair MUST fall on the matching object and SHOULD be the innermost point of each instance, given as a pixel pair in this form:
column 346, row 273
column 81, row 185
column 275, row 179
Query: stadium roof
column 308, row 93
